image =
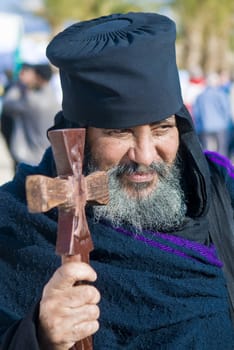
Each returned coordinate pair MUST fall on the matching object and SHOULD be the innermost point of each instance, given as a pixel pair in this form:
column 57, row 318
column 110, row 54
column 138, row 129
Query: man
column 29, row 106
column 156, row 280
column 212, row 116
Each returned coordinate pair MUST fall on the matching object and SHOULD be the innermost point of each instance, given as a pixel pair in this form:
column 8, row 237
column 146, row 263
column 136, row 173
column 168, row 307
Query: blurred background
column 205, row 47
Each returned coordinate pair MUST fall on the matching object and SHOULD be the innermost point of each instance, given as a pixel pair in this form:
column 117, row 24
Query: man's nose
column 143, row 151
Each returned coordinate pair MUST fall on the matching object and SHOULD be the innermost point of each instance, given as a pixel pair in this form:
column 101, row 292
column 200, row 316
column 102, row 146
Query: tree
column 206, row 29
column 60, row 11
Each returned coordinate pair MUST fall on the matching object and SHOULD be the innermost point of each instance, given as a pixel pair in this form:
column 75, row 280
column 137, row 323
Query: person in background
column 212, row 116
column 227, row 86
column 161, row 272
column 29, row 106
column 195, row 85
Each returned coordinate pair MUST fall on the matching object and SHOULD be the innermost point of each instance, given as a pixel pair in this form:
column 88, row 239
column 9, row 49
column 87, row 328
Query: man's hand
column 68, row 312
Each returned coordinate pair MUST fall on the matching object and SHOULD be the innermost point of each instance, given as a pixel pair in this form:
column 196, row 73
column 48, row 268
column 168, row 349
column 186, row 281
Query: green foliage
column 205, row 31
column 214, row 13
column 59, row 11
column 199, row 22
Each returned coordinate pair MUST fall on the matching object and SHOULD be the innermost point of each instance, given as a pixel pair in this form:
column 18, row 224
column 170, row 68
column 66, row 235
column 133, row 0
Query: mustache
column 130, row 168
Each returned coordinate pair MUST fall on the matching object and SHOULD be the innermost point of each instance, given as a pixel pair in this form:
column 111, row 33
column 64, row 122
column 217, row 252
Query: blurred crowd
column 210, row 100
column 28, row 106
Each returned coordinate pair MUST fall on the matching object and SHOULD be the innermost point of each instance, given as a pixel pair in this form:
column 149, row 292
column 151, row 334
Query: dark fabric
column 23, row 333
column 196, row 170
column 26, row 248
column 172, row 291
column 118, row 71
column 221, row 220
column 158, row 291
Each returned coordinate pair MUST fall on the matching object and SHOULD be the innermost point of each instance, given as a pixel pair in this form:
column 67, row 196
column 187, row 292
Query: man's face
column 136, row 149
column 28, row 77
column 144, row 175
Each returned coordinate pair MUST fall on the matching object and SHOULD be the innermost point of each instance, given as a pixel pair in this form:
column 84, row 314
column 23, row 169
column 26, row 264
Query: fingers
column 67, row 317
column 69, row 312
column 71, row 326
column 70, row 273
column 73, row 297
column 85, row 329
column 69, row 336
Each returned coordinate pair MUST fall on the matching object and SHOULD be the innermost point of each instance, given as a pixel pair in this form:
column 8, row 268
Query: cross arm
column 44, row 193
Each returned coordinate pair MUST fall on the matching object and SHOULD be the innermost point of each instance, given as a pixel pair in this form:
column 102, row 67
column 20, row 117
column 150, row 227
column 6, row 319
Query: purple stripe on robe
column 222, row 161
column 208, row 253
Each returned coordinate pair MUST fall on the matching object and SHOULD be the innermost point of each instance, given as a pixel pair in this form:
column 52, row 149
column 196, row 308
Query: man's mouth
column 135, row 174
column 139, row 177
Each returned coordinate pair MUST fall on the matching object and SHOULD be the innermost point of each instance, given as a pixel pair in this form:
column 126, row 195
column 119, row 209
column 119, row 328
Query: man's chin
column 139, row 190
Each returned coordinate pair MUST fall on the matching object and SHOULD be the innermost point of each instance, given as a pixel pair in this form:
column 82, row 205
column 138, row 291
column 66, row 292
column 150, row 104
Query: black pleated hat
column 118, row 71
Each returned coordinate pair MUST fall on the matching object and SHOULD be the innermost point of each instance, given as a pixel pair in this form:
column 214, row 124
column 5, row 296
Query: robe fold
column 158, row 290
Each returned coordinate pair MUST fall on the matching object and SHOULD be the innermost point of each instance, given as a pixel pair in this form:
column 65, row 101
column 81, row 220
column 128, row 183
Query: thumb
column 71, row 272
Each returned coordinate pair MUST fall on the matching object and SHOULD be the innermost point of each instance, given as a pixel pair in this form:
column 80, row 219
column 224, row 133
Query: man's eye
column 118, row 132
column 161, row 129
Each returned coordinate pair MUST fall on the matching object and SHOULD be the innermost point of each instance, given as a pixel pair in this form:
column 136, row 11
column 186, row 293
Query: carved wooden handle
column 44, row 193
column 85, row 344
column 69, row 192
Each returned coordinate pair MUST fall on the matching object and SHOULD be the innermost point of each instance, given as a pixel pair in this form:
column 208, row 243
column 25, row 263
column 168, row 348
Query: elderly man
column 161, row 274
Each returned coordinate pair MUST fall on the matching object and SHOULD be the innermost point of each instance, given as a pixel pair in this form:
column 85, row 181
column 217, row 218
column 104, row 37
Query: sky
column 20, row 5
column 17, row 17
column 24, row 7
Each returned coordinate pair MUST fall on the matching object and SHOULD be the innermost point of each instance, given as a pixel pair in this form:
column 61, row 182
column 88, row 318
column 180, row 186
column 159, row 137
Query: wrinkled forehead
column 171, row 119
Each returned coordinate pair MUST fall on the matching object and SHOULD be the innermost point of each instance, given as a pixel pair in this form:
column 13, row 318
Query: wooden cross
column 70, row 192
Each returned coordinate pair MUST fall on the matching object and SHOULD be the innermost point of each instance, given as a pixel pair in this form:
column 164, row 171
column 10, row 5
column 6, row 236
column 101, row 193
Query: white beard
column 162, row 210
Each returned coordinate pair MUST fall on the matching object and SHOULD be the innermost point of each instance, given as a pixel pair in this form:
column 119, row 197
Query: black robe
column 159, row 291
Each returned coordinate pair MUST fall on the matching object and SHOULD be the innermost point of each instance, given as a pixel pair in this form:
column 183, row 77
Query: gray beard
column 162, row 210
